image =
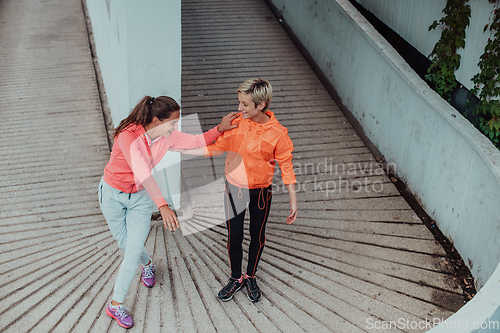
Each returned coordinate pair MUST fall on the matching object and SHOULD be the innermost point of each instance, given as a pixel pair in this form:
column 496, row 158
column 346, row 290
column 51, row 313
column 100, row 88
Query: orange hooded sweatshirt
column 259, row 147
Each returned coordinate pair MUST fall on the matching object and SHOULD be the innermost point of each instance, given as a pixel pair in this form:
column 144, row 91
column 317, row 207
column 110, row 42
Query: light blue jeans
column 128, row 217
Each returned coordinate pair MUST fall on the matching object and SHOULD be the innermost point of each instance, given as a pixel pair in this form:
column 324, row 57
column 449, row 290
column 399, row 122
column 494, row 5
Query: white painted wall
column 411, row 20
column 138, row 46
column 449, row 166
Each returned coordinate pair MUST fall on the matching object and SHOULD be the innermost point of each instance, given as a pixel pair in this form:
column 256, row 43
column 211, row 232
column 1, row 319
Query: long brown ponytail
column 148, row 108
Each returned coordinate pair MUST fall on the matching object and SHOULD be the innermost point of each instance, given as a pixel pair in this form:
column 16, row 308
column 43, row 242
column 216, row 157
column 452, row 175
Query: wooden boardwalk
column 358, row 255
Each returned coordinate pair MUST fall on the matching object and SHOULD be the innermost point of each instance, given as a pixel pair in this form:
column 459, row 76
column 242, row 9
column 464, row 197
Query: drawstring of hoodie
column 264, row 198
column 261, row 194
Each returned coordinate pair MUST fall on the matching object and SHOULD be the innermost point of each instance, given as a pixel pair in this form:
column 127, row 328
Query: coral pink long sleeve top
column 134, row 155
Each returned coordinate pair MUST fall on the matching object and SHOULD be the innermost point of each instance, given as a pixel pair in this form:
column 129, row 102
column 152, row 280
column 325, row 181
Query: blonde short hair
column 259, row 89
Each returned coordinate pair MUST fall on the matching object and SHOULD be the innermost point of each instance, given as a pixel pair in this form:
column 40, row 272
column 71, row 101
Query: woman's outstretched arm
column 179, row 140
column 197, row 151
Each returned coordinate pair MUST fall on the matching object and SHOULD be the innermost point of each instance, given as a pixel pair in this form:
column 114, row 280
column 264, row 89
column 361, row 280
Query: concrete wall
column 411, row 20
column 138, row 46
column 449, row 166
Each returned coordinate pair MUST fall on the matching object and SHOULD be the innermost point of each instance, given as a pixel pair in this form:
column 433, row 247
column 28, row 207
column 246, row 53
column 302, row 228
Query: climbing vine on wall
column 444, row 57
column 486, row 85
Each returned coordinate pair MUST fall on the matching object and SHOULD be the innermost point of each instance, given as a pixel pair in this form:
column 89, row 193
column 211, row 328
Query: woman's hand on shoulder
column 226, row 121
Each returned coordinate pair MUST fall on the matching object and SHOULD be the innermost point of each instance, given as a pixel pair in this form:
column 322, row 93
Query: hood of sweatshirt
column 272, row 122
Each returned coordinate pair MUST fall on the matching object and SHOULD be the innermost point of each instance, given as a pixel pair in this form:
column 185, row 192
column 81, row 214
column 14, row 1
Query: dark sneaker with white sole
column 253, row 291
column 232, row 286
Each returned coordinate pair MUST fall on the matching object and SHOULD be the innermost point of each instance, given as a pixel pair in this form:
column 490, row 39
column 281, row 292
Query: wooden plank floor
column 357, row 254
column 56, row 250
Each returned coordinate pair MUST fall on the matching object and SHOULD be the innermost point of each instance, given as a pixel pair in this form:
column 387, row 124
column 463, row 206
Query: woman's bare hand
column 169, row 218
column 293, row 204
column 291, row 218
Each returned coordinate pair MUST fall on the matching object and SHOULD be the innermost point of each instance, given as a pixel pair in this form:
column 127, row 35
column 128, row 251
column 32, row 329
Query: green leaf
column 496, row 125
column 433, row 25
column 494, row 110
column 491, row 124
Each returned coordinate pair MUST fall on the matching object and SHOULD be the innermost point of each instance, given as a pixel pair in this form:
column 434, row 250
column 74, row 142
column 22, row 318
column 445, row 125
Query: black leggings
column 235, row 206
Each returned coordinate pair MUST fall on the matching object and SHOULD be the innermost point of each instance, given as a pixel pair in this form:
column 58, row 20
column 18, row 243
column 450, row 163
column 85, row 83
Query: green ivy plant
column 444, row 56
column 486, row 85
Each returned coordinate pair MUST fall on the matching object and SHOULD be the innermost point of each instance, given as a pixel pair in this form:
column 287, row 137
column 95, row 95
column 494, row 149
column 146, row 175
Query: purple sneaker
column 120, row 314
column 148, row 275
